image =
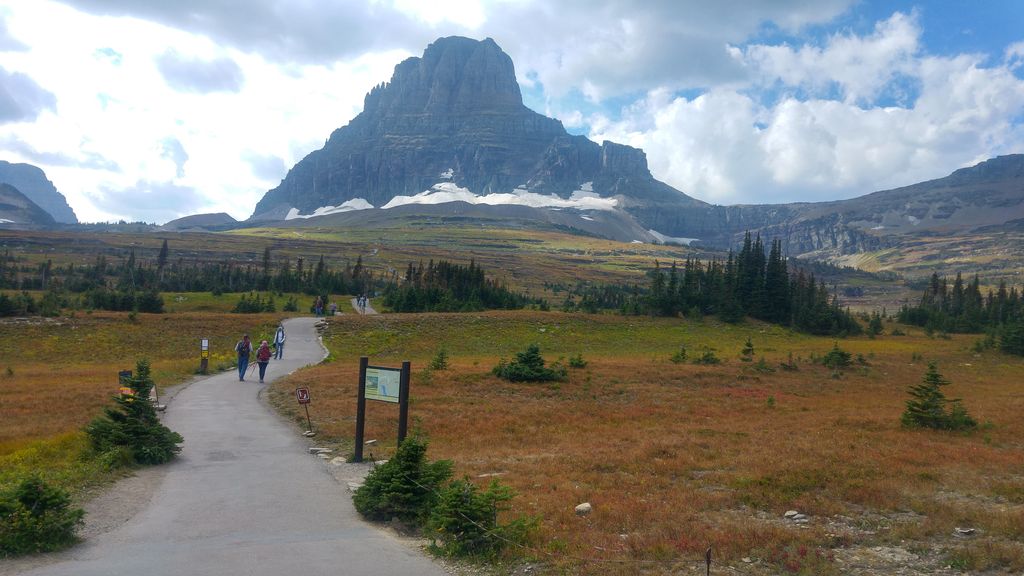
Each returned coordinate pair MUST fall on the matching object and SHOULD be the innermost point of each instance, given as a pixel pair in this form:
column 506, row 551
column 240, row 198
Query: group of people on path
column 245, row 350
column 318, row 307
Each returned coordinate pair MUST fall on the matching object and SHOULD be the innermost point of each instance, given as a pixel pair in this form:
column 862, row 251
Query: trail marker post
column 204, row 355
column 302, row 395
column 384, row 385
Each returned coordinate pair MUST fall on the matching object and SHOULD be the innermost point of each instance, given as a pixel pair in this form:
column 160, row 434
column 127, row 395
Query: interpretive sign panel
column 302, row 395
column 383, row 384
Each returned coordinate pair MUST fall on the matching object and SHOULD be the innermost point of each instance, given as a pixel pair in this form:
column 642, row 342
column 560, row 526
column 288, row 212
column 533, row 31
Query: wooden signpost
column 384, row 385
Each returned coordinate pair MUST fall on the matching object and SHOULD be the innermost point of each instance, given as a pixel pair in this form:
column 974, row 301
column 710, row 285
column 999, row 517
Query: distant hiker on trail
column 263, row 358
column 318, row 307
column 333, row 308
column 244, row 348
column 279, row 342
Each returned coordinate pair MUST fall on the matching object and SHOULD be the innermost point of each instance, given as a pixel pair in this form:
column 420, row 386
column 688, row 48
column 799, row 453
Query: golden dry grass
column 676, row 457
column 57, row 374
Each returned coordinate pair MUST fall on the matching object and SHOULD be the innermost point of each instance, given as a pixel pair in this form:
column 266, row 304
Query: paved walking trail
column 363, row 309
column 244, row 497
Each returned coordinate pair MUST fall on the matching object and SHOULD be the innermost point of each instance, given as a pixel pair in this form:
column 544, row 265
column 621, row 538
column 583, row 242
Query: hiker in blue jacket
column 279, row 342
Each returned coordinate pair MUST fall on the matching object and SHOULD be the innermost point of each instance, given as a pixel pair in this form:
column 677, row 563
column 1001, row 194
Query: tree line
column 747, row 283
column 135, row 283
column 960, row 307
column 448, row 287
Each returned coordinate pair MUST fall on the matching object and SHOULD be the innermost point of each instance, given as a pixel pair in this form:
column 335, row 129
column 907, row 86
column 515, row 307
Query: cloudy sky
column 151, row 109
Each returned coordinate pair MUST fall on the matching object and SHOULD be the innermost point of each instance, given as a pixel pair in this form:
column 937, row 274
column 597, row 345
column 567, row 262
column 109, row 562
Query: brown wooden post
column 403, row 402
column 361, row 410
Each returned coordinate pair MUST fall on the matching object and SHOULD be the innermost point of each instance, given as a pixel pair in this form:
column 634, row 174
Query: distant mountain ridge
column 32, row 182
column 18, row 210
column 450, row 130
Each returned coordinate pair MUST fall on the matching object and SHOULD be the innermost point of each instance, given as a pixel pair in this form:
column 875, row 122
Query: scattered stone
column 316, row 450
column 353, row 486
column 309, row 433
column 964, row 532
column 747, row 560
column 492, row 474
column 322, row 456
column 338, row 460
column 790, row 514
column 584, row 509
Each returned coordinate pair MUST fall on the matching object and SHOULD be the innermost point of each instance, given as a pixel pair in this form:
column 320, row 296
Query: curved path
column 244, row 496
column 362, row 309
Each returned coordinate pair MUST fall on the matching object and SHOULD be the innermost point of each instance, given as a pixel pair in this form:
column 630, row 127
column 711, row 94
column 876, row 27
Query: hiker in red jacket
column 263, row 358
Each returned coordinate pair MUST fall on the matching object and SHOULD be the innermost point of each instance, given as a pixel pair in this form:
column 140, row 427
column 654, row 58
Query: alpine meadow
column 476, row 329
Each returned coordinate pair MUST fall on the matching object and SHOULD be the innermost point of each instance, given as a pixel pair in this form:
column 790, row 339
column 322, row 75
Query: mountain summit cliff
column 453, row 123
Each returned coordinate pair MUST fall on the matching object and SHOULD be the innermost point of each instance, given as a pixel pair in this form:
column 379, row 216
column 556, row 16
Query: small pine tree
column 529, row 367
column 440, row 361
column 465, row 520
column 836, row 358
column 405, row 486
column 747, row 354
column 927, row 408
column 133, row 424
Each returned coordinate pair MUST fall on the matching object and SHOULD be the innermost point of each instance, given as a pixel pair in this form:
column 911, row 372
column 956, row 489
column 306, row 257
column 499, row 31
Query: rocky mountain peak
column 994, row 169
column 455, row 74
column 32, row 182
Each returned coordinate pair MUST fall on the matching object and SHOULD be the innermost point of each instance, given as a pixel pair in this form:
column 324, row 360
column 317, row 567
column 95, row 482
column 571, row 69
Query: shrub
column 927, row 408
column 836, row 358
column 405, row 486
column 292, row 305
column 254, row 304
column 36, row 517
column 1012, row 339
column 133, row 424
column 708, row 358
column 763, row 367
column 680, row 356
column 529, row 367
column 465, row 520
column 577, row 361
column 747, row 354
column 440, row 361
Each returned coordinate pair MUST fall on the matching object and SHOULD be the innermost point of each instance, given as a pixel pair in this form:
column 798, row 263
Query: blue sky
column 150, row 110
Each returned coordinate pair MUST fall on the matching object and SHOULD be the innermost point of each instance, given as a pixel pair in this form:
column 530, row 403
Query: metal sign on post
column 204, row 354
column 124, row 383
column 302, row 395
column 385, row 385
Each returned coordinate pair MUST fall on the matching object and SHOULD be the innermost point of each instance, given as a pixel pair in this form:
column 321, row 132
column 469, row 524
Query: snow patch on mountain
column 347, row 206
column 444, row 192
column 663, row 239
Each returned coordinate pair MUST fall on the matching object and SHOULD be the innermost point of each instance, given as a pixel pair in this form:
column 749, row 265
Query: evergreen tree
column 133, row 424
column 927, row 407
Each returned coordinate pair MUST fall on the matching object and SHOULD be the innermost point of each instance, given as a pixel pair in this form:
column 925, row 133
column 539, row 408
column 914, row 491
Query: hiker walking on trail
column 318, row 307
column 263, row 358
column 244, row 349
column 279, row 342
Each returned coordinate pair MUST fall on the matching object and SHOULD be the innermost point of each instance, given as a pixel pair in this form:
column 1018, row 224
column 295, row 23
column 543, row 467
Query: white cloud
column 735, row 146
column 860, row 66
column 198, row 75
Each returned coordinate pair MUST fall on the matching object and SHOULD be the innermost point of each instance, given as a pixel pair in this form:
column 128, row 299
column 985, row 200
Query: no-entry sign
column 302, row 395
